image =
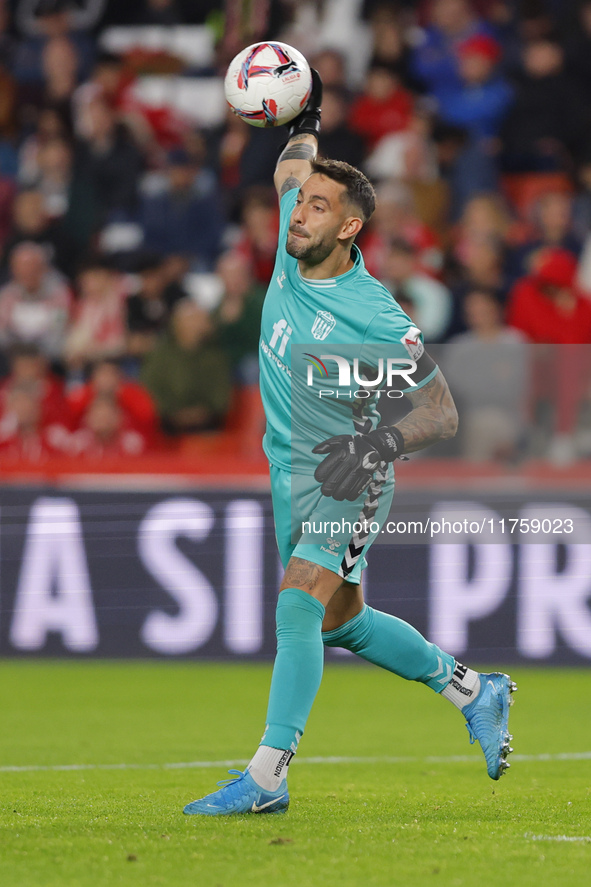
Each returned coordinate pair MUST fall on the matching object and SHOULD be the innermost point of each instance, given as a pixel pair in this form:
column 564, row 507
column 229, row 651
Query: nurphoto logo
column 395, row 367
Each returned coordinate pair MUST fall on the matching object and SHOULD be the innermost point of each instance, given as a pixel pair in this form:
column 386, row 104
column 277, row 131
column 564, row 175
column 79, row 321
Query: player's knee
column 311, row 578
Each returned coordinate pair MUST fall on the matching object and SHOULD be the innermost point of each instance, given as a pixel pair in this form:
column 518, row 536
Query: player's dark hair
column 360, row 191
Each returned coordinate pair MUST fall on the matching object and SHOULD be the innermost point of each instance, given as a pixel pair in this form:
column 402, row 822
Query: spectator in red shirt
column 29, row 439
column 136, row 405
column 396, row 217
column 156, row 128
column 384, row 107
column 28, row 366
column 546, row 305
column 104, row 433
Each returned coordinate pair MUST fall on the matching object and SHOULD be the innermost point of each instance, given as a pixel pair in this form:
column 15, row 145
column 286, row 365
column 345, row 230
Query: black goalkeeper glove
column 352, row 459
column 309, row 119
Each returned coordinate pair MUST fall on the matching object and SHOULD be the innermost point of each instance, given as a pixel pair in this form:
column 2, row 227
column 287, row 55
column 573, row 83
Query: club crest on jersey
column 324, row 324
column 412, row 342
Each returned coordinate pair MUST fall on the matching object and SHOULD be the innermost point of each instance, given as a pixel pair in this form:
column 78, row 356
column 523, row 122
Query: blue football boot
column 240, row 795
column 487, row 720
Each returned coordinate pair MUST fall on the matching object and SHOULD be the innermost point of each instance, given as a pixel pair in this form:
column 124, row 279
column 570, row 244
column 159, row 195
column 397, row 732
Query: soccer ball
column 268, row 84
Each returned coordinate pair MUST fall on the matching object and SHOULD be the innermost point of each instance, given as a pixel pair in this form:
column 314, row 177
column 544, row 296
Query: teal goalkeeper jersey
column 353, row 311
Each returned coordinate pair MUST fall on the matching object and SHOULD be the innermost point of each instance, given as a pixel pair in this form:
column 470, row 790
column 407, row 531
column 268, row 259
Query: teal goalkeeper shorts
column 334, row 535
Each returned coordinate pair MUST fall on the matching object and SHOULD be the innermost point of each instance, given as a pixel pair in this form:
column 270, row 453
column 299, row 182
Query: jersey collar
column 326, row 283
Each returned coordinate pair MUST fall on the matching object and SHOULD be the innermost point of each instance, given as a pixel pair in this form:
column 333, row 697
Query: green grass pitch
column 390, row 816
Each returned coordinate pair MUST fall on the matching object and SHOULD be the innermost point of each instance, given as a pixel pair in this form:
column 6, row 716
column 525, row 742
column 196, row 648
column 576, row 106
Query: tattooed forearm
column 298, row 151
column 301, row 573
column 294, row 164
column 433, row 416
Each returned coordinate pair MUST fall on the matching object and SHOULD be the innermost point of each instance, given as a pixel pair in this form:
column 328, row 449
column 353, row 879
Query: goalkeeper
column 320, row 291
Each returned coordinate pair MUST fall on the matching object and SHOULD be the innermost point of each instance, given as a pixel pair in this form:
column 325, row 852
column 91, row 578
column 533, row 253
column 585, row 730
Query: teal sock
column 394, row 645
column 297, row 671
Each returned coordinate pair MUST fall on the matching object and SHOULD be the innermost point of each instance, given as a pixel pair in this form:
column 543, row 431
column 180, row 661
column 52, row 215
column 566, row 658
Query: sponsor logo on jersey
column 324, row 323
column 281, row 333
column 412, row 342
column 273, row 357
column 275, row 350
column 329, row 551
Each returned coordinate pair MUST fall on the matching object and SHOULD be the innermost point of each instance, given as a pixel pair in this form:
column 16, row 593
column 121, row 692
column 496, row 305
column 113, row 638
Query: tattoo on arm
column 288, row 184
column 297, row 149
column 433, row 416
column 301, row 573
column 297, row 152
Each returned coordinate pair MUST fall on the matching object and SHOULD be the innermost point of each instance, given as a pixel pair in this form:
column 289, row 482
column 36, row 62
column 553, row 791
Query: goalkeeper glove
column 309, row 119
column 352, row 460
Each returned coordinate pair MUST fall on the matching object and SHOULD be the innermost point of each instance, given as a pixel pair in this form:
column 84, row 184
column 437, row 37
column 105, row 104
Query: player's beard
column 312, row 252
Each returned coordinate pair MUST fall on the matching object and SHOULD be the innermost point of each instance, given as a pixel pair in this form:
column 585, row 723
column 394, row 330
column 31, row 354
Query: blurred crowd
column 135, row 246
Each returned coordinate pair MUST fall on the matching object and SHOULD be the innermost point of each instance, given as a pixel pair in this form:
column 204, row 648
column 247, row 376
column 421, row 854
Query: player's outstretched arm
column 433, row 416
column 294, row 164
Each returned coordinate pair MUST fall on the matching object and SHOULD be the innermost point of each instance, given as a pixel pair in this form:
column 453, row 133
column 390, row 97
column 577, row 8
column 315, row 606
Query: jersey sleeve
column 286, row 205
column 391, row 334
